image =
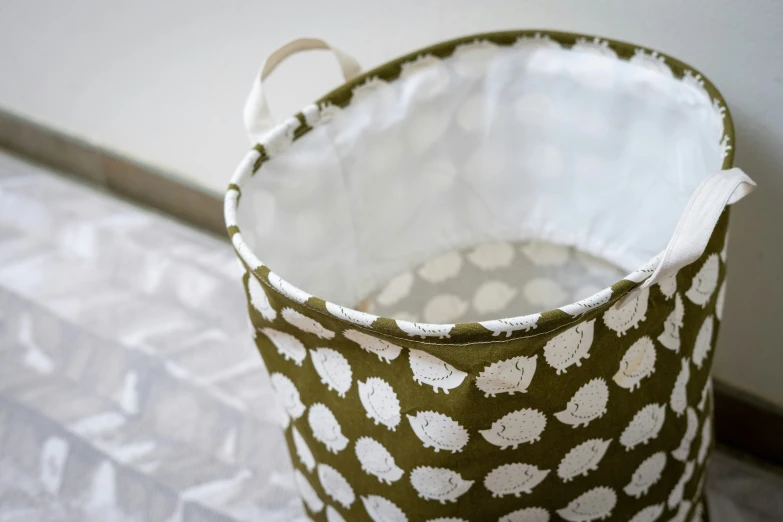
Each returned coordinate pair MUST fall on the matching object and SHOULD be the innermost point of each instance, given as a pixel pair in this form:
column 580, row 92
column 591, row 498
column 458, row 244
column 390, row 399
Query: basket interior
column 570, row 147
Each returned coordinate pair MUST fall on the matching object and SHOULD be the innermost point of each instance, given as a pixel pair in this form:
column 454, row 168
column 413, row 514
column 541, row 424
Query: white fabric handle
column 698, row 220
column 258, row 119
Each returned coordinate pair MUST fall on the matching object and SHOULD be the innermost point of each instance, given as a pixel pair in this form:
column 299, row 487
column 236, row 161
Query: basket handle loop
column 698, row 220
column 258, row 118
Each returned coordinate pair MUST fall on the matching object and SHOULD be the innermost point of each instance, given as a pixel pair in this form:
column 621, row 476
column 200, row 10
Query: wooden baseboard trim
column 110, row 170
column 748, row 424
column 742, row 422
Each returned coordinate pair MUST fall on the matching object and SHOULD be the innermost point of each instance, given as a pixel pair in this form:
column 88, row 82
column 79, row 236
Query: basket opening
column 567, row 146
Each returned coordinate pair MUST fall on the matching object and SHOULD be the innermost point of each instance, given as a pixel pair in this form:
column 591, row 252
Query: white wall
column 165, row 82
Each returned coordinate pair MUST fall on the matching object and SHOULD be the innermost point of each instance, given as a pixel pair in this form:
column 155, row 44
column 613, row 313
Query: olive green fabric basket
column 584, row 404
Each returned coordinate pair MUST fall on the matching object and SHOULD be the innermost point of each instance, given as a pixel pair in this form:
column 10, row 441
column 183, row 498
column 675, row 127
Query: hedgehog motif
column 590, row 303
column 325, row 428
column 703, row 344
column 546, row 254
column 308, row 494
column 441, row 268
column 628, row 313
column 596, row 504
column 380, row 402
column 333, row 369
column 514, row 479
column 570, row 347
column 444, row 308
column 704, row 282
column 493, row 296
column 352, row 316
column 509, row 376
column 668, row 286
column 385, row 350
column 637, row 363
column 396, row 289
column 332, row 515
column 377, row 461
column 670, row 338
column 706, row 440
column 682, row 512
column 649, row 514
column 679, row 398
column 515, row 428
column 287, row 345
column 645, row 426
column 302, row 450
column 438, row 431
column 439, row 484
column 306, row 324
column 587, row 404
column 259, row 299
column 287, row 395
column 430, row 370
column 675, row 496
column 288, row 290
column 508, row 326
column 382, row 510
column 705, row 393
column 720, row 301
column 533, row 514
column 646, row 475
column 684, row 449
column 423, row 330
column 582, row 459
column 335, row 485
column 492, row 255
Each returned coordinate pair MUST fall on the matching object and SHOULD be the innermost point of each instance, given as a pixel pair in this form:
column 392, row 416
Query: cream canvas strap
column 698, row 220
column 257, row 116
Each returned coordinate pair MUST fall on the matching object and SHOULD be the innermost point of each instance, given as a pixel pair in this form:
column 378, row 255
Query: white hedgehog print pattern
column 306, row 324
column 646, row 475
column 582, row 459
column 385, row 350
column 514, row 479
column 587, row 404
column 380, row 402
column 531, row 514
column 259, row 299
column 570, row 347
column 381, row 509
column 670, row 338
column 325, row 428
column 335, row 485
column 376, row 460
column 515, row 428
column 399, row 380
column 428, row 369
column 333, row 369
column 684, row 449
column 644, row 426
column 510, row 376
column 438, row 431
column 637, row 363
column 596, row 504
column 704, row 282
column 443, row 485
column 287, row 345
column 627, row 313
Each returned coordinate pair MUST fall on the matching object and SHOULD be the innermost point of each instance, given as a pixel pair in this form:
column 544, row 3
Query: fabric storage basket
column 449, row 327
